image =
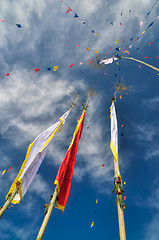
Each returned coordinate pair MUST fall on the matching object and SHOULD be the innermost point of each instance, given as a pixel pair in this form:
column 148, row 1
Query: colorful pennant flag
column 34, row 157
column 64, row 176
column 10, row 168
column 18, row 25
column 71, row 65
column 92, row 224
column 4, row 171
column 55, row 68
column 36, row 70
column 76, row 15
column 68, row 10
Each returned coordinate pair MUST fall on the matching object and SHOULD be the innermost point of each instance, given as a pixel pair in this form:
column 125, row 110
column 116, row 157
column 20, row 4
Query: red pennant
column 9, row 168
column 121, row 14
column 36, row 70
column 71, row 65
column 7, row 74
column 124, row 197
column 151, row 43
column 68, row 10
column 90, row 62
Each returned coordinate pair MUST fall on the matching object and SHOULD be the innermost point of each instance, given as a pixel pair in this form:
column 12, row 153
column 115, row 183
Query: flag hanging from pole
column 114, row 135
column 64, row 176
column 34, row 157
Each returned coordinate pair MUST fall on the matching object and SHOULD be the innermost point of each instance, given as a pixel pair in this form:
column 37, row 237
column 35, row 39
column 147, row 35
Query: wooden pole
column 148, row 65
column 47, row 216
column 53, row 200
column 8, row 201
column 120, row 213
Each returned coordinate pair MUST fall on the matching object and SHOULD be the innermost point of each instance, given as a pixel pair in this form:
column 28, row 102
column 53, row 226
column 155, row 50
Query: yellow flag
column 92, row 224
column 55, row 68
column 4, row 171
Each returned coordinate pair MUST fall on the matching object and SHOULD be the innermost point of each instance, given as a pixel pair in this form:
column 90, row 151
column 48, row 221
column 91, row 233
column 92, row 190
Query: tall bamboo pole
column 120, row 213
column 53, row 200
column 148, row 65
column 8, row 201
column 47, row 216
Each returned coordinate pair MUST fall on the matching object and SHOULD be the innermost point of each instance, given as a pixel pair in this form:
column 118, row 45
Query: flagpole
column 148, row 65
column 53, row 200
column 8, row 201
column 55, row 195
column 74, row 103
column 120, row 212
column 91, row 93
column 47, row 216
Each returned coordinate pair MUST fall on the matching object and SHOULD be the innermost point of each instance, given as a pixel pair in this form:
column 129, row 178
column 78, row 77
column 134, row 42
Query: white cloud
column 152, row 229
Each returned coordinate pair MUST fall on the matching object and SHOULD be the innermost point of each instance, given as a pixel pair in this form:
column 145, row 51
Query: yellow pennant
column 92, row 224
column 55, row 68
column 96, row 200
column 4, row 171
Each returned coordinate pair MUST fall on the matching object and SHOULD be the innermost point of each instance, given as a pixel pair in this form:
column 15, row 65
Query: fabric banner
column 64, row 176
column 114, row 135
column 34, row 157
column 108, row 60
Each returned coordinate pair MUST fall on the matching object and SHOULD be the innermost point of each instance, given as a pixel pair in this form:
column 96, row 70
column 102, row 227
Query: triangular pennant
column 68, row 10
column 71, row 65
column 4, row 171
column 49, row 68
column 10, row 168
column 55, row 68
column 76, row 16
column 18, row 25
column 36, row 70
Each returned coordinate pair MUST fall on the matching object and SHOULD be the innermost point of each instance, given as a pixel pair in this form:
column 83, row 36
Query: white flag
column 114, row 135
column 34, row 157
column 108, row 60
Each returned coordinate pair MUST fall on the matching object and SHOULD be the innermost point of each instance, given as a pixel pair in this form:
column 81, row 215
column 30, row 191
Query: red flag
column 124, row 197
column 36, row 70
column 7, row 74
column 71, row 65
column 68, row 10
column 64, row 176
column 10, row 168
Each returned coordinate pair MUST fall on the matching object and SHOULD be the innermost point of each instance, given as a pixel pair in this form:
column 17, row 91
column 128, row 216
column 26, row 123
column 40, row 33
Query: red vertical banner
column 64, row 176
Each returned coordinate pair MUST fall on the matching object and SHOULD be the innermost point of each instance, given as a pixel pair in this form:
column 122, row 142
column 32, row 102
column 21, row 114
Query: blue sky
column 29, row 103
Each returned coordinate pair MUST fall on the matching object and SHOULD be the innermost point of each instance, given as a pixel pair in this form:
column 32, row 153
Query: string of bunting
column 69, row 9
